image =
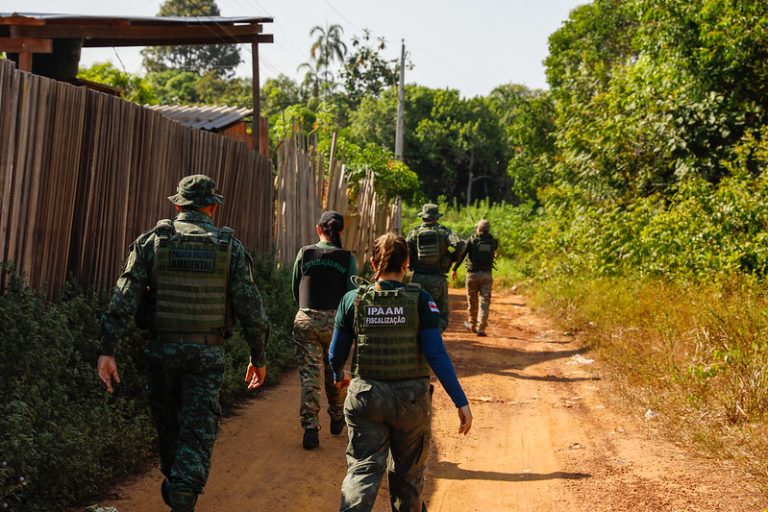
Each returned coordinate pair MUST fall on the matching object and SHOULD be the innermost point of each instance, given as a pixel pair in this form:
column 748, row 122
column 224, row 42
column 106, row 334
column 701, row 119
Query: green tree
column 221, row 60
column 279, row 93
column 327, row 47
column 366, row 73
column 528, row 120
column 135, row 88
column 448, row 140
column 310, row 84
column 174, row 86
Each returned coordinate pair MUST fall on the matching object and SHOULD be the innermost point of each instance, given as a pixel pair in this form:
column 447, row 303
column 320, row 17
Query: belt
column 213, row 340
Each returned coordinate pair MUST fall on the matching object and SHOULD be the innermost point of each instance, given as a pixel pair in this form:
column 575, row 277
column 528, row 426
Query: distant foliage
column 219, row 60
column 134, row 87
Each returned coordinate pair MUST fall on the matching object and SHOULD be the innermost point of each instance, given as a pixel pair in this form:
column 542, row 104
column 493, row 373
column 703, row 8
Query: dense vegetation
column 652, row 239
column 63, row 439
column 631, row 197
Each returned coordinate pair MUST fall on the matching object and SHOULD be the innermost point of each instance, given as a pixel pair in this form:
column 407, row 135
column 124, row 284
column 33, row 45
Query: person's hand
column 255, row 376
column 107, row 368
column 465, row 419
column 344, row 382
column 453, row 275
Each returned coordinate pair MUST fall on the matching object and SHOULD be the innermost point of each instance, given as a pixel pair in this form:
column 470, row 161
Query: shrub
column 62, row 438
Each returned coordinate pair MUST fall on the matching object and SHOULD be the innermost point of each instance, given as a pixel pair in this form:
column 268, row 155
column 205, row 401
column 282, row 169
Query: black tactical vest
column 323, row 277
column 480, row 253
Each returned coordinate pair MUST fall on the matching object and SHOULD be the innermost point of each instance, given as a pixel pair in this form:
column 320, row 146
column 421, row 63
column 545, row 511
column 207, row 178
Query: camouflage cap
column 197, row 190
column 430, row 212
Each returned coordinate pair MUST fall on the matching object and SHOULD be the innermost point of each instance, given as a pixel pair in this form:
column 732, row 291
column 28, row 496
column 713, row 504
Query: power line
column 299, row 50
column 329, row 4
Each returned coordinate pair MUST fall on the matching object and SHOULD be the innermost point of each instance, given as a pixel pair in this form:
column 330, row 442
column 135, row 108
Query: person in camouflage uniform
column 481, row 249
column 395, row 329
column 432, row 248
column 322, row 274
column 186, row 281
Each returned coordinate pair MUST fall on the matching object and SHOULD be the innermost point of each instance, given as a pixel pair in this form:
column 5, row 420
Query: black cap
column 331, row 215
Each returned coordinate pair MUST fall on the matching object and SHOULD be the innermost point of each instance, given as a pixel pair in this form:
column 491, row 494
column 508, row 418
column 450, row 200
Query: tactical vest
column 323, row 277
column 189, row 280
column 387, row 328
column 481, row 254
column 431, row 249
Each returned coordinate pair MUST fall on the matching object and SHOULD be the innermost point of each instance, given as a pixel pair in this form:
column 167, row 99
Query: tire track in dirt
column 545, row 438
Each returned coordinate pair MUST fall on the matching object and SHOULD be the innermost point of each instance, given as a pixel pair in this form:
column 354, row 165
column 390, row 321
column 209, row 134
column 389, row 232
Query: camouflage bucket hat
column 430, row 212
column 197, row 190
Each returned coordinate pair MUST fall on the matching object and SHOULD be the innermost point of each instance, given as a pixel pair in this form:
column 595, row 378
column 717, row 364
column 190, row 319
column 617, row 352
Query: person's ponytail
column 390, row 251
column 332, row 230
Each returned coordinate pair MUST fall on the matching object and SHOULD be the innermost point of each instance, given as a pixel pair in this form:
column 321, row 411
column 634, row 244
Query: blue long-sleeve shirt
column 429, row 336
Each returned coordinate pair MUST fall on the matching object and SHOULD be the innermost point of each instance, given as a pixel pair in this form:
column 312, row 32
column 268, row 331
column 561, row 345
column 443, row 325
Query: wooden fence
column 304, row 190
column 82, row 174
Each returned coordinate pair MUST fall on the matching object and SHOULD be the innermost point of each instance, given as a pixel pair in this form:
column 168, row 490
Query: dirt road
column 545, row 438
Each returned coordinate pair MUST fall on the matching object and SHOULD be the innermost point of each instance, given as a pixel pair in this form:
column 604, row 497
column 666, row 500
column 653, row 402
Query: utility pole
column 400, row 108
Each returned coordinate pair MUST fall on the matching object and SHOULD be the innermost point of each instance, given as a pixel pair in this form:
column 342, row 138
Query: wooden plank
column 17, row 19
column 135, row 32
column 210, row 39
column 25, row 44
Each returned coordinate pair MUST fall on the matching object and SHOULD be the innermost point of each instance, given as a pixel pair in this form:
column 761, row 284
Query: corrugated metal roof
column 174, row 20
column 203, row 117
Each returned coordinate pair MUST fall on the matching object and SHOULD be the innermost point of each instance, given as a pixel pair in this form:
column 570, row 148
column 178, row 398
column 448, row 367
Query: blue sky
column 472, row 46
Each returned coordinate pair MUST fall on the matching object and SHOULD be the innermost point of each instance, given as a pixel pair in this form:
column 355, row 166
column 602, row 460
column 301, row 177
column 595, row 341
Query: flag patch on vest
column 433, row 307
column 384, row 315
column 192, row 260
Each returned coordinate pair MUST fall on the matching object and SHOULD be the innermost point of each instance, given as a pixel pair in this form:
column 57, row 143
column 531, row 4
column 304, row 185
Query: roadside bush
column 62, row 438
column 701, row 230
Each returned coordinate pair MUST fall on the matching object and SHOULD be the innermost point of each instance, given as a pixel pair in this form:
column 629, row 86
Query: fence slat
column 82, row 174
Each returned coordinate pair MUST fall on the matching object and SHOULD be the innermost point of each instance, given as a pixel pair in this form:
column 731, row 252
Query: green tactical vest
column 431, row 249
column 189, row 280
column 387, row 328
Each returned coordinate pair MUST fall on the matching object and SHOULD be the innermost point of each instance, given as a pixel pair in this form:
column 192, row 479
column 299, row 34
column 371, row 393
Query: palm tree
column 327, row 47
column 311, row 78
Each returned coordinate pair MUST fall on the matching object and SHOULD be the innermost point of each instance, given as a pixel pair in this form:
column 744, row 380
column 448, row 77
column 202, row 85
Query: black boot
column 181, row 501
column 337, row 426
column 164, row 489
column 311, row 439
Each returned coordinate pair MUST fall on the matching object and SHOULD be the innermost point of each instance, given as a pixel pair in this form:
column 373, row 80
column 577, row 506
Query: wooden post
column 400, row 128
column 256, row 95
column 25, row 62
column 264, row 134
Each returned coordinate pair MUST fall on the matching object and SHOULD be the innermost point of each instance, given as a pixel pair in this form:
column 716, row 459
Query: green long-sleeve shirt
column 244, row 296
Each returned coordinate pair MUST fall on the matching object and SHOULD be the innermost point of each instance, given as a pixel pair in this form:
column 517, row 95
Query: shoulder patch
column 433, row 307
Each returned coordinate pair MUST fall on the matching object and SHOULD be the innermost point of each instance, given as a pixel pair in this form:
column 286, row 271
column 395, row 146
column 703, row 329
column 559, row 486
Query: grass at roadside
column 696, row 354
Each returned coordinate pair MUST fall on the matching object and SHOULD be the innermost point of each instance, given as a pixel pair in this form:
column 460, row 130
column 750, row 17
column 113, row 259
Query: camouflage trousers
column 312, row 332
column 183, row 383
column 437, row 286
column 479, row 283
column 389, row 429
